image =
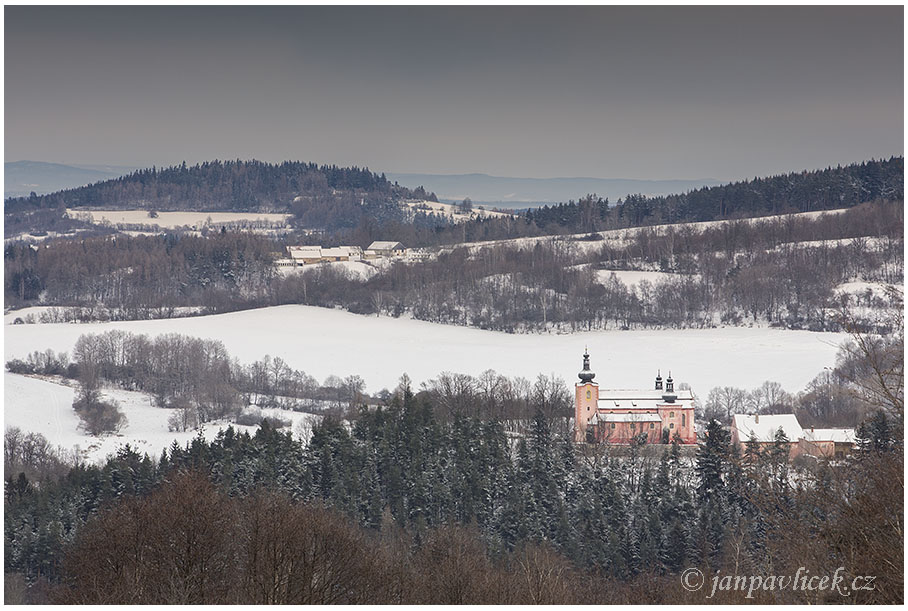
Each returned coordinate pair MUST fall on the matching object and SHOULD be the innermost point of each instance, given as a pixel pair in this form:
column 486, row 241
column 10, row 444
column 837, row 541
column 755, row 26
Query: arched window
column 683, row 419
column 671, row 414
column 589, row 394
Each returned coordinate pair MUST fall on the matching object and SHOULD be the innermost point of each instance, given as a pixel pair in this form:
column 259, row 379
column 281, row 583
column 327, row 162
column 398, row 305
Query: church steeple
column 659, row 380
column 586, row 376
column 669, row 383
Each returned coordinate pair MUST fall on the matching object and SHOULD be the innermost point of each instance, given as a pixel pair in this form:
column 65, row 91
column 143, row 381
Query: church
column 618, row 416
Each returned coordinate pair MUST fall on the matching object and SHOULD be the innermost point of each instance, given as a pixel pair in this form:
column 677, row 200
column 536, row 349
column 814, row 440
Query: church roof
column 649, row 399
column 643, row 395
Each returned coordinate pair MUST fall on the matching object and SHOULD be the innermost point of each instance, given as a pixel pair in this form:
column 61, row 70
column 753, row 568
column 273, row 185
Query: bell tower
column 586, row 399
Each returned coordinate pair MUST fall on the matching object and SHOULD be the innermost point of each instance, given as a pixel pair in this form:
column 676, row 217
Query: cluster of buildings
column 300, row 256
column 661, row 414
column 762, row 429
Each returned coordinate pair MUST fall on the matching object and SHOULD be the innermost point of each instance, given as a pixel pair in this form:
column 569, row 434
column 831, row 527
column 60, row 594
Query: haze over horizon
column 649, row 93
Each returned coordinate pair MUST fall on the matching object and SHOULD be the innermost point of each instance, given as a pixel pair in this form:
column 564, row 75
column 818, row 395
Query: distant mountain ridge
column 24, row 177
column 41, row 177
column 511, row 192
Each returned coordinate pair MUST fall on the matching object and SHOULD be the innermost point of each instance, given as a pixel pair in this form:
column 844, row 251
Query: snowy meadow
column 325, row 342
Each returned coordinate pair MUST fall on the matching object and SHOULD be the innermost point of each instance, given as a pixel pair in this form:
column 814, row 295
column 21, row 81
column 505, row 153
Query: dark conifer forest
column 402, row 507
column 221, row 185
column 840, row 187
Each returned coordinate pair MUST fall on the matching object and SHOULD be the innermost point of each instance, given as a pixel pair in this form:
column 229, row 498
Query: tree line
column 200, row 382
column 782, row 271
column 839, row 187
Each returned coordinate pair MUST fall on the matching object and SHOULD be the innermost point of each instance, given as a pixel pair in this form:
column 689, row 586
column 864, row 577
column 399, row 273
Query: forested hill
column 839, row 187
column 226, row 185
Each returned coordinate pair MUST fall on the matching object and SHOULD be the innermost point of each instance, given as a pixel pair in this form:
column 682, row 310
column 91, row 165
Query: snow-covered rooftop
column 643, row 395
column 836, row 435
column 650, row 399
column 305, row 252
column 338, row 251
column 385, row 246
column 764, row 427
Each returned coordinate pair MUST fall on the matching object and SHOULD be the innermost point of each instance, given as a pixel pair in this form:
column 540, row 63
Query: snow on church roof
column 764, row 427
column 621, row 399
column 649, row 394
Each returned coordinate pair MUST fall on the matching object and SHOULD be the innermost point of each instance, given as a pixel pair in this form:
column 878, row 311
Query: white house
column 384, row 249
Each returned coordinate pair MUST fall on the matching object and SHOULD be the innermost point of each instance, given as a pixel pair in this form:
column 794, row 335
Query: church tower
column 586, row 399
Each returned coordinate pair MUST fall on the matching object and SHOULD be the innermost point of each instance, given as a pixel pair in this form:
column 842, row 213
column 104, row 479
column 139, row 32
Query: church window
column 651, row 425
column 683, row 419
column 671, row 414
column 672, row 425
column 633, row 426
column 589, row 394
column 613, row 425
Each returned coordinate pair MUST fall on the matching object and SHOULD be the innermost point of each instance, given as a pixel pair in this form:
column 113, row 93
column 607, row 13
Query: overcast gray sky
column 610, row 92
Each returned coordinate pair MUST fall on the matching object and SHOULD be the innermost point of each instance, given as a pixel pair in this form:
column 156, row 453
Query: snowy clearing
column 171, row 220
column 860, row 287
column 325, row 342
column 41, row 406
column 631, row 277
column 357, row 268
column 452, row 211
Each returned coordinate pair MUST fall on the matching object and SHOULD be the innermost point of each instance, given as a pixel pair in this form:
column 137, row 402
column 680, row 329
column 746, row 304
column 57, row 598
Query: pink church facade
column 619, row 416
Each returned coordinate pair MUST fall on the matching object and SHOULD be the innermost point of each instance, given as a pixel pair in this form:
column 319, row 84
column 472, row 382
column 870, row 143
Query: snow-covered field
column 42, row 406
column 170, row 220
column 325, row 342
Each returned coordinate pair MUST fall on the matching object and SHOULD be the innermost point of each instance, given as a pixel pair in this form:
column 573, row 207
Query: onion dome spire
column 668, row 395
column 586, row 376
column 659, row 380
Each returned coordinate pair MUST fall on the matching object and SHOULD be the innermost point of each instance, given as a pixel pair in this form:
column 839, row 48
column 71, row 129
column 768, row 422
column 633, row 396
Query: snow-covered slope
column 43, row 406
column 620, row 237
column 325, row 342
column 170, row 220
